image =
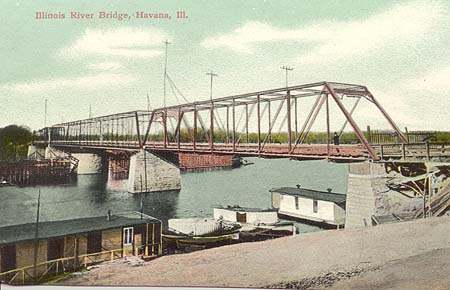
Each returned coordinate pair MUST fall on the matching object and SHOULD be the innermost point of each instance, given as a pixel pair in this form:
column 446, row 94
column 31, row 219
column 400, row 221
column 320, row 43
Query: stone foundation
column 368, row 194
column 149, row 173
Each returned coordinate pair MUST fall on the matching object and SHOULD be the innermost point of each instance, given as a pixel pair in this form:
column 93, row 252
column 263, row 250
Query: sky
column 398, row 49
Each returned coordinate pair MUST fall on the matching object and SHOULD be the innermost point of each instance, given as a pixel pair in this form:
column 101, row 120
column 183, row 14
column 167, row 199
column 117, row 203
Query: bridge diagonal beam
column 150, row 121
column 351, row 113
column 352, row 122
column 388, row 118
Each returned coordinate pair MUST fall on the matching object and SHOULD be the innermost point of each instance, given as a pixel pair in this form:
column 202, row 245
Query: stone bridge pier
column 149, row 172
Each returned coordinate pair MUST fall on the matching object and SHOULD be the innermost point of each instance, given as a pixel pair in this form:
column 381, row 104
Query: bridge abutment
column 369, row 194
column 150, row 173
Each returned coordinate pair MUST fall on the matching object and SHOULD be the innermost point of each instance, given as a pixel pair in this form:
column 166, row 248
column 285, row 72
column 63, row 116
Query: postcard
column 239, row 144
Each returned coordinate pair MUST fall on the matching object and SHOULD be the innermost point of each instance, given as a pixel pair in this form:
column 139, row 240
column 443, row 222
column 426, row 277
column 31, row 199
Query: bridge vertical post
column 258, row 103
column 288, row 103
column 138, row 130
column 165, row 129
column 194, row 142
column 79, row 135
column 270, row 121
column 234, row 126
column 327, row 109
column 67, row 132
column 211, row 127
column 246, row 122
column 228, row 125
column 295, row 118
column 179, row 128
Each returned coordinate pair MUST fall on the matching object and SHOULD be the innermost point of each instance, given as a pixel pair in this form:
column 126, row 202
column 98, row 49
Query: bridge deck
column 348, row 152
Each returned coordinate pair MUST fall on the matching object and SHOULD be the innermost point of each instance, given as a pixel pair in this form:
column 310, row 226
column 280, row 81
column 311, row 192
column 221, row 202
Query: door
column 128, row 241
column 241, row 217
column 94, row 242
column 55, row 250
column 8, row 254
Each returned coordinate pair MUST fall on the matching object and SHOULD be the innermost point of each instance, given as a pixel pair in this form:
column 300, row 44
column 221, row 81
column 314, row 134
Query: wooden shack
column 68, row 245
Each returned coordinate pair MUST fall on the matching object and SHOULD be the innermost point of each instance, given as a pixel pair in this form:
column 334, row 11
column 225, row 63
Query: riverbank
column 383, row 248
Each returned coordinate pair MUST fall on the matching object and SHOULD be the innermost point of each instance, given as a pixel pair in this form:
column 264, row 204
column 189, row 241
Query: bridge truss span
column 276, row 123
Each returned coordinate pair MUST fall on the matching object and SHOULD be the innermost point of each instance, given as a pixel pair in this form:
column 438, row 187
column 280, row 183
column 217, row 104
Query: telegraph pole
column 45, row 114
column 211, row 74
column 90, row 111
column 165, row 72
column 148, row 103
column 287, row 69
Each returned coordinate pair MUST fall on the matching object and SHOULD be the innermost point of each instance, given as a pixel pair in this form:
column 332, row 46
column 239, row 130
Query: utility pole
column 148, row 103
column 165, row 72
column 211, row 74
column 90, row 111
column 36, row 236
column 286, row 68
column 45, row 114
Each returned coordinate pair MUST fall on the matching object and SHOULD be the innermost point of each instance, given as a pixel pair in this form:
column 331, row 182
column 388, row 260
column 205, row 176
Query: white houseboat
column 246, row 215
column 325, row 208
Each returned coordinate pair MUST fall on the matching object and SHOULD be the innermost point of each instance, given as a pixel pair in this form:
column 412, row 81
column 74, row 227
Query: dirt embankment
column 382, row 252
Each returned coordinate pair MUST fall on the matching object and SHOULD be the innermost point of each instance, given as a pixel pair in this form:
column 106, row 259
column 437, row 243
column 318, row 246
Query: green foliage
column 14, row 142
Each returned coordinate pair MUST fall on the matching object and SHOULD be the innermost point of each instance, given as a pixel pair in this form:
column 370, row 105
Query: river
column 94, row 195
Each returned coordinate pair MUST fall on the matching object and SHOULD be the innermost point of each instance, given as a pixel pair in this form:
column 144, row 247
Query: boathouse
column 325, row 208
column 68, row 245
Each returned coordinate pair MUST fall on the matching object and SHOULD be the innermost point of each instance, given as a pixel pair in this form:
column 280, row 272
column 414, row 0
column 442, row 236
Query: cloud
column 93, row 82
column 123, row 42
column 105, row 66
column 331, row 40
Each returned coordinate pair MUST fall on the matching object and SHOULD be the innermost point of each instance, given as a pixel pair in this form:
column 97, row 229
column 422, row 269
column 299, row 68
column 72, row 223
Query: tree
column 14, row 142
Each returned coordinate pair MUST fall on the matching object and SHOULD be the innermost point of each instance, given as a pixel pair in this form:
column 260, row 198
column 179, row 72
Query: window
column 296, row 202
column 128, row 235
column 315, row 206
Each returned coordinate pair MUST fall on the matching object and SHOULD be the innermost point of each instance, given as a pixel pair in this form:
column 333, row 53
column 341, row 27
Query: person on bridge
column 336, row 138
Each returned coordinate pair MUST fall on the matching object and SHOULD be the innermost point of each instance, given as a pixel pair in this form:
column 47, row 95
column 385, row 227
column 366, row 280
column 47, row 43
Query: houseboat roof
column 55, row 229
column 246, row 209
column 312, row 194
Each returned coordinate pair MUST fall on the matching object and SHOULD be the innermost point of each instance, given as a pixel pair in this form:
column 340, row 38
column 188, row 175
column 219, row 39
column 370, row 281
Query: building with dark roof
column 69, row 244
column 326, row 208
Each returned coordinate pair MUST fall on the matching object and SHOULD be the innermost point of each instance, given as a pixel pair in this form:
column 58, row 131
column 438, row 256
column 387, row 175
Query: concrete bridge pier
column 150, row 173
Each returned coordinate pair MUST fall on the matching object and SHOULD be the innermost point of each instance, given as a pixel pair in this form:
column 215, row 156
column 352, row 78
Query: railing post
column 382, row 151
column 403, row 151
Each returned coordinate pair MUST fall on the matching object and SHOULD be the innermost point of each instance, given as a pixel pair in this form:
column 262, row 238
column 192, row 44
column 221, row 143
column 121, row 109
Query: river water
column 94, row 195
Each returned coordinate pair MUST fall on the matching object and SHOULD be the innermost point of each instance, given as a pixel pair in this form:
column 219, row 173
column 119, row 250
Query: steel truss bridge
column 246, row 125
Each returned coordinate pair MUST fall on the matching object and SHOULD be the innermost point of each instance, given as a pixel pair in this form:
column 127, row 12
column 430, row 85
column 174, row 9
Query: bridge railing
column 422, row 150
